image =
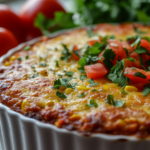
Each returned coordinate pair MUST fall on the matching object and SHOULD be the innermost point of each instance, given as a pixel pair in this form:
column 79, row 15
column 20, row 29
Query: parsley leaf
column 20, row 58
column 27, row 56
column 27, row 48
column 123, row 91
column 63, row 82
column 57, row 63
column 83, row 77
column 116, row 74
column 90, row 32
column 65, row 53
column 61, row 95
column 92, row 83
column 42, row 64
column 146, row 89
column 82, row 95
column 117, row 103
column 69, row 73
column 92, row 103
column 109, row 55
column 94, row 90
column 140, row 75
column 33, row 76
column 137, row 41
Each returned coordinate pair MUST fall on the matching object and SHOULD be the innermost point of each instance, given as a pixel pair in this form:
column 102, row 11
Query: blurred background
column 42, row 17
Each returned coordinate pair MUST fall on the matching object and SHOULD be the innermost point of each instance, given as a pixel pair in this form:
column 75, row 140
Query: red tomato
column 117, row 47
column 127, row 46
column 144, row 43
column 92, row 42
column 7, row 41
column 74, row 56
column 30, row 10
column 129, row 72
column 12, row 22
column 95, row 71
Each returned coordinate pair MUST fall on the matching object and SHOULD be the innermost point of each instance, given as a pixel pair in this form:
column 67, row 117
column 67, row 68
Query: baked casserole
column 90, row 80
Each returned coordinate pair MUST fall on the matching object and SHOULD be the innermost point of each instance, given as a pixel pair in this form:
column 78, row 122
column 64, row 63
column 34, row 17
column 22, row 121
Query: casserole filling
column 89, row 80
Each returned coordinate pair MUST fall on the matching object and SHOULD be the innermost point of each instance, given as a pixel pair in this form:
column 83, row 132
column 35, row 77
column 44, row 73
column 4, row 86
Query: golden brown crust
column 35, row 97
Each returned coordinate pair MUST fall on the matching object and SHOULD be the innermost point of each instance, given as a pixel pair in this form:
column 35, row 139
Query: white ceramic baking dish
column 18, row 132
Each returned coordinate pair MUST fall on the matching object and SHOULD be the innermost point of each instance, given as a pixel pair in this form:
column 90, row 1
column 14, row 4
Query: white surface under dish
column 21, row 133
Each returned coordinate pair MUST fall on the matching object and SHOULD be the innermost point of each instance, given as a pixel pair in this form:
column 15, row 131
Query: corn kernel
column 43, row 72
column 105, row 87
column 13, row 58
column 120, row 123
column 75, row 117
column 131, row 89
column 23, row 104
column 8, row 63
column 68, row 90
column 82, row 88
column 49, row 103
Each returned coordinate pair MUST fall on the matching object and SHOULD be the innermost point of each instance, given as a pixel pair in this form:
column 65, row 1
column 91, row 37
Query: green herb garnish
column 27, row 48
column 117, row 103
column 140, row 75
column 20, row 58
column 27, row 56
column 33, row 76
column 146, row 89
column 92, row 83
column 83, row 77
column 42, row 64
column 92, row 103
column 61, row 95
column 116, row 74
column 57, row 63
column 69, row 73
column 82, row 95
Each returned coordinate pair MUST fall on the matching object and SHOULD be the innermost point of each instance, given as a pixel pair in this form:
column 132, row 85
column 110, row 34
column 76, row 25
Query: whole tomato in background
column 12, row 22
column 7, row 41
column 30, row 10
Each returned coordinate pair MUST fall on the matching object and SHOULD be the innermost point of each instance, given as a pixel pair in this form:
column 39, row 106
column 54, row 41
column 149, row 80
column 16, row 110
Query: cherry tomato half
column 30, row 10
column 12, row 22
column 7, row 41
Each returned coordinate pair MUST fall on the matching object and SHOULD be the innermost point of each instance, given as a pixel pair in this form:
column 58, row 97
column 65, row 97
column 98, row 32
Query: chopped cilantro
column 90, row 32
column 131, row 59
column 20, row 58
column 61, row 95
column 92, row 103
column 33, row 76
column 127, row 53
column 146, row 89
column 57, row 63
column 63, row 82
column 92, row 83
column 69, row 73
column 32, row 67
column 51, row 69
column 27, row 48
column 133, row 68
column 116, row 74
column 138, row 31
column 83, row 77
column 65, row 53
column 109, row 55
column 42, row 64
column 141, row 61
column 137, row 41
column 123, row 91
column 94, row 90
column 60, row 75
column 140, row 75
column 141, row 50
column 148, row 62
column 82, row 95
column 27, row 56
column 117, row 103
